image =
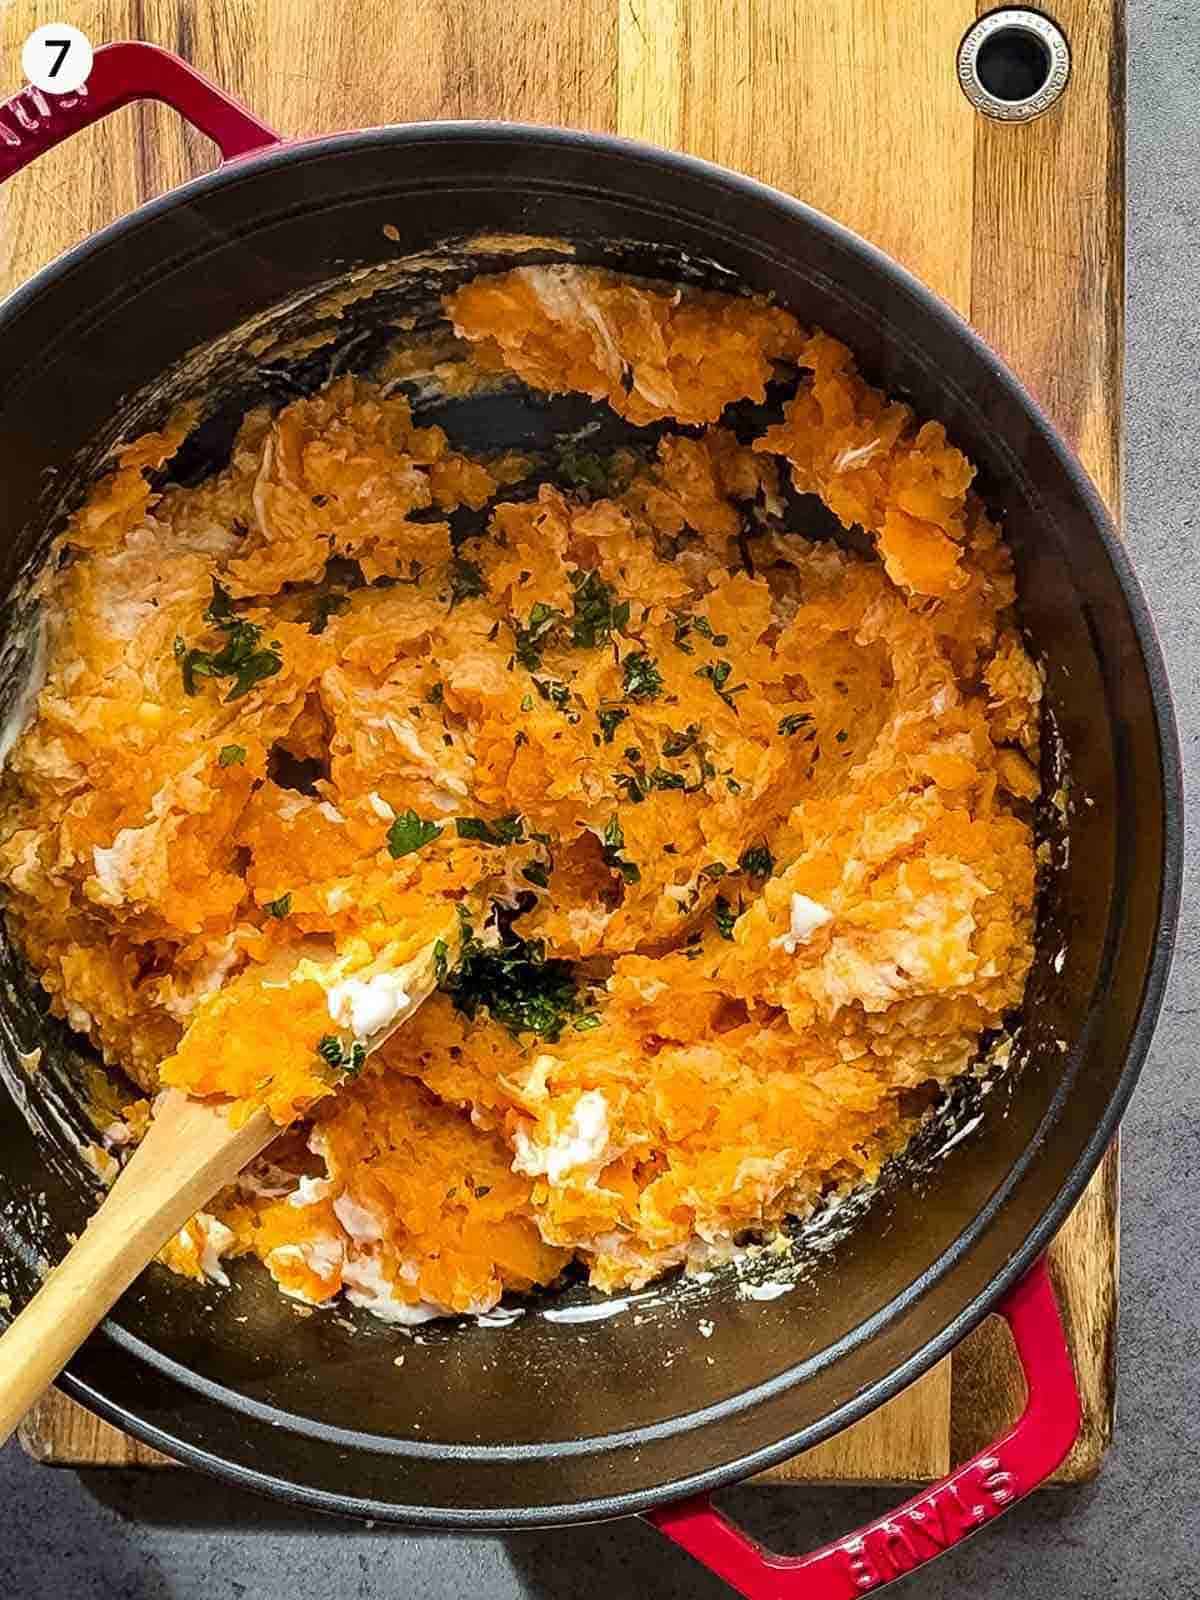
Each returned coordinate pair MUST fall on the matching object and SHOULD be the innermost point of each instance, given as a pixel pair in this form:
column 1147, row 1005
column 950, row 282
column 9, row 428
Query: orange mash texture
column 769, row 797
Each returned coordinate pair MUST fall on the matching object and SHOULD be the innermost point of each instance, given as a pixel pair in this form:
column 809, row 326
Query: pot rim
column 295, row 152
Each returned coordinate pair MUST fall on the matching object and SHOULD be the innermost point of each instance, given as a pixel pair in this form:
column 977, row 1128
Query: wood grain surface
column 854, row 107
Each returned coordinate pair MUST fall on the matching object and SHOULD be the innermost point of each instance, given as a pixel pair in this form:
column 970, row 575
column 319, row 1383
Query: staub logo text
column 31, row 111
column 928, row 1526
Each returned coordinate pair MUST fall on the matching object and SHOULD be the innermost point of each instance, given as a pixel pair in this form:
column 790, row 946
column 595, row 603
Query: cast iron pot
column 555, row 1419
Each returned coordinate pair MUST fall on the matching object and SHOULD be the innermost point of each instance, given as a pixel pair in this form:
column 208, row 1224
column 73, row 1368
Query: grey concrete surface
column 1135, row 1533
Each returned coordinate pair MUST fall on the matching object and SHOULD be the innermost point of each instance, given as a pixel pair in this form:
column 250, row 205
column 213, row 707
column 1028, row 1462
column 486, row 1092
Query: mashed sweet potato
column 720, row 833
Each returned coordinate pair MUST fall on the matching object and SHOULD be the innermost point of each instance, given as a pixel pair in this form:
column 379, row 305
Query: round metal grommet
column 1014, row 64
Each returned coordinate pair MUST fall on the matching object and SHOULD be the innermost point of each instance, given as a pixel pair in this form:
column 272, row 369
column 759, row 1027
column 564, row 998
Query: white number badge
column 57, row 58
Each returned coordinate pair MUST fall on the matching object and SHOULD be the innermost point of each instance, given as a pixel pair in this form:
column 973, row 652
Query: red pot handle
column 33, row 121
column 933, row 1521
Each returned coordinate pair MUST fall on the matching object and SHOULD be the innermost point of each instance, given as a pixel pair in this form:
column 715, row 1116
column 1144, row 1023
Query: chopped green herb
column 440, row 952
column 436, row 695
column 533, row 638
column 466, row 581
column 703, row 626
column 685, row 622
column 537, row 873
column 793, row 722
column 724, row 916
column 239, row 658
column 733, row 786
column 678, row 744
column 643, row 681
column 279, row 908
column 588, row 1020
column 662, row 779
column 714, row 869
column 596, row 618
column 553, row 690
column 219, row 612
column 330, row 1046
column 515, row 985
column 526, row 702
column 509, row 829
column 632, row 785
column 614, row 843
column 331, row 1049
column 841, row 736
column 410, row 832
column 757, row 861
column 231, row 755
column 717, row 673
column 608, row 718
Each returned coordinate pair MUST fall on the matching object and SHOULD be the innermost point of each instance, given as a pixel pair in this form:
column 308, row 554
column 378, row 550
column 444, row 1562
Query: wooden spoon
column 189, row 1153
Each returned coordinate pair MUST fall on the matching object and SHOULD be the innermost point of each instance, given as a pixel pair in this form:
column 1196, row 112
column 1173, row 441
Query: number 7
column 62, row 46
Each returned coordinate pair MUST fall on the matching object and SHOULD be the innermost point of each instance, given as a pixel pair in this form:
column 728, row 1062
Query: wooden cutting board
column 853, row 106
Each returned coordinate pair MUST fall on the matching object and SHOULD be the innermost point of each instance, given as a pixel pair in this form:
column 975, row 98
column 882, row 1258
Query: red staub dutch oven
column 553, row 1418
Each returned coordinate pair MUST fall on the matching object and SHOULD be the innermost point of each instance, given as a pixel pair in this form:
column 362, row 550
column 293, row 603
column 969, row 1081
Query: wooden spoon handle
column 188, row 1154
column 190, row 1151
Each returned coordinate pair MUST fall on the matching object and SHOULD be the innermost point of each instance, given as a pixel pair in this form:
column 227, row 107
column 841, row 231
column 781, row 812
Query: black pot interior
column 552, row 1416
